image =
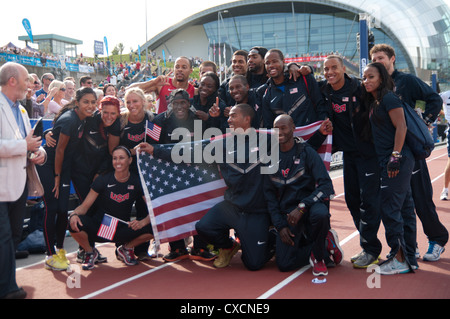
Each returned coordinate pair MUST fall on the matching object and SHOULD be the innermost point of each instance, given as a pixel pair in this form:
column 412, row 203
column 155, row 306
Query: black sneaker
column 100, row 259
column 80, row 255
column 202, row 254
column 177, row 254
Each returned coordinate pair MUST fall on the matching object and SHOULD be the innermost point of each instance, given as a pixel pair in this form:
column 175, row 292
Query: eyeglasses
column 62, row 89
column 51, row 80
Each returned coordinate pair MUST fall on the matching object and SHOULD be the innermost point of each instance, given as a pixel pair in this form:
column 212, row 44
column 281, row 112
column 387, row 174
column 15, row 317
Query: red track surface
column 200, row 280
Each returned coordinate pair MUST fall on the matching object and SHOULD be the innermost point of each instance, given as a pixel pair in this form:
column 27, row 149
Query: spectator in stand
column 46, row 80
column 70, row 91
column 110, row 90
column 18, row 172
column 54, row 100
column 86, row 81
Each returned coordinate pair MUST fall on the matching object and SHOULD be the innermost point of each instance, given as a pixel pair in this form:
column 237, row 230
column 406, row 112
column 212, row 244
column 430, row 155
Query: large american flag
column 178, row 195
column 325, row 149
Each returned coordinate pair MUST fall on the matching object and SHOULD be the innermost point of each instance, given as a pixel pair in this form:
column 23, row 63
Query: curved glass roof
column 419, row 29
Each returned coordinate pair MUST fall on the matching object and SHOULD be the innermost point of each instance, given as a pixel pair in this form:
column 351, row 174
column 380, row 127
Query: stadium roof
column 41, row 37
column 420, row 28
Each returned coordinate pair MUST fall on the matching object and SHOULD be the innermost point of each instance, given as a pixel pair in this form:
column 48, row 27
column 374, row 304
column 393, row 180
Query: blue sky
column 93, row 20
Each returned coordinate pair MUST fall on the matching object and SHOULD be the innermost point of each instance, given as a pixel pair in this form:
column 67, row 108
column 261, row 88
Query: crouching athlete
column 115, row 193
column 297, row 197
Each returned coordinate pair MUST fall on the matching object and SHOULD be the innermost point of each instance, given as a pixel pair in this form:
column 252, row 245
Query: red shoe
column 319, row 267
column 333, row 247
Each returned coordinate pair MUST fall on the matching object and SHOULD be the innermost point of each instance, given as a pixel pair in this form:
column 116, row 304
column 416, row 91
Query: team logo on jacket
column 136, row 138
column 285, row 172
column 339, row 108
column 119, row 198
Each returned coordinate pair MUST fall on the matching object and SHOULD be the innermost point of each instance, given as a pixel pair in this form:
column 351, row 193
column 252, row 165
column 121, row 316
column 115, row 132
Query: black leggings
column 55, row 220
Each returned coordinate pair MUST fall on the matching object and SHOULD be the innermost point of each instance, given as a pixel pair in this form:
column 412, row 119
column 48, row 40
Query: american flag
column 108, row 227
column 153, row 130
column 325, row 149
column 178, row 195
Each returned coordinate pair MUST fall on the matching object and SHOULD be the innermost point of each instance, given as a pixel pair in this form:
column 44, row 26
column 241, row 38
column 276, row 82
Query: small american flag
column 153, row 130
column 108, row 227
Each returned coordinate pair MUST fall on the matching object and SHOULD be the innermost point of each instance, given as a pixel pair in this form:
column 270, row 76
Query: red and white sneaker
column 333, row 247
column 319, row 267
column 127, row 256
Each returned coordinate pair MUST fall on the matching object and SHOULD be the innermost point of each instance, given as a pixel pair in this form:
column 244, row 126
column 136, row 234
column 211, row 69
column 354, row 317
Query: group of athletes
column 285, row 213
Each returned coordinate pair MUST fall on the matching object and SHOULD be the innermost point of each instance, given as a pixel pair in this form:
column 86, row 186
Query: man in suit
column 19, row 152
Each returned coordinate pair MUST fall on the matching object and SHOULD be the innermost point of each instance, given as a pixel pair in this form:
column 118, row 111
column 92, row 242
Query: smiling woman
column 55, row 174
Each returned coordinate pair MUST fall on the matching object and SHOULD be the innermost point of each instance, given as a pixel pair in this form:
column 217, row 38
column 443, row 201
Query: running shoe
column 319, row 267
column 177, row 254
column 444, row 194
column 333, row 247
column 225, row 255
column 127, row 256
column 53, row 262
column 364, row 260
column 62, row 255
column 393, row 267
column 89, row 260
column 202, row 254
column 434, row 252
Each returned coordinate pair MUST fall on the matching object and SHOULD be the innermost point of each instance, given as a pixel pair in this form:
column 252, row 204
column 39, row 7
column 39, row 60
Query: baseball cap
column 179, row 94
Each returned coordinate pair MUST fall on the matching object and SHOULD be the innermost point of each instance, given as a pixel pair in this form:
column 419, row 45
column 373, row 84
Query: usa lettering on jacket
column 136, row 138
column 119, row 198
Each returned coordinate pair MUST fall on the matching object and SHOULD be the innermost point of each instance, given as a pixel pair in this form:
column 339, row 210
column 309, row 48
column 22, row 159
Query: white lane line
column 299, row 272
column 125, row 281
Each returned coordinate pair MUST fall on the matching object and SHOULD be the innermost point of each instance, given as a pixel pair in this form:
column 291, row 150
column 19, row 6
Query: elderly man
column 19, row 152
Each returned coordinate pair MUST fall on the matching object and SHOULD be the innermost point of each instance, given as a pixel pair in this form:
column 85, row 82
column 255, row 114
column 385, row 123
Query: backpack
column 418, row 137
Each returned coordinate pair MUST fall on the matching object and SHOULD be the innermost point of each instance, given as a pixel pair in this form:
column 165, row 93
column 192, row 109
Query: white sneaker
column 154, row 250
column 393, row 267
column 434, row 252
column 444, row 194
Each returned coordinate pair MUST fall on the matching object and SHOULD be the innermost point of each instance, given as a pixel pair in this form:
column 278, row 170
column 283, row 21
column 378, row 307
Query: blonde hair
column 139, row 92
column 55, row 83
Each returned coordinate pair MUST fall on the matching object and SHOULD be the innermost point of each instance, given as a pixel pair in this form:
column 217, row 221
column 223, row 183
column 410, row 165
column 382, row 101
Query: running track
column 196, row 280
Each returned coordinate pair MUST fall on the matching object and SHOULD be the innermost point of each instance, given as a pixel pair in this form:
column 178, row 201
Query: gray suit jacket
column 15, row 169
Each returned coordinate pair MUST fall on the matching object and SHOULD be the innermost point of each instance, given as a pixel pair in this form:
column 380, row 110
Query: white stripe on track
column 125, row 281
column 299, row 272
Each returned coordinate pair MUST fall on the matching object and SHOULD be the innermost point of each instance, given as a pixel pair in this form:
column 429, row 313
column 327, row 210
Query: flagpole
column 145, row 131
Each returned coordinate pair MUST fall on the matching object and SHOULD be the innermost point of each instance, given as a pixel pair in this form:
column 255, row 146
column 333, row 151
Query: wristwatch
column 301, row 206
